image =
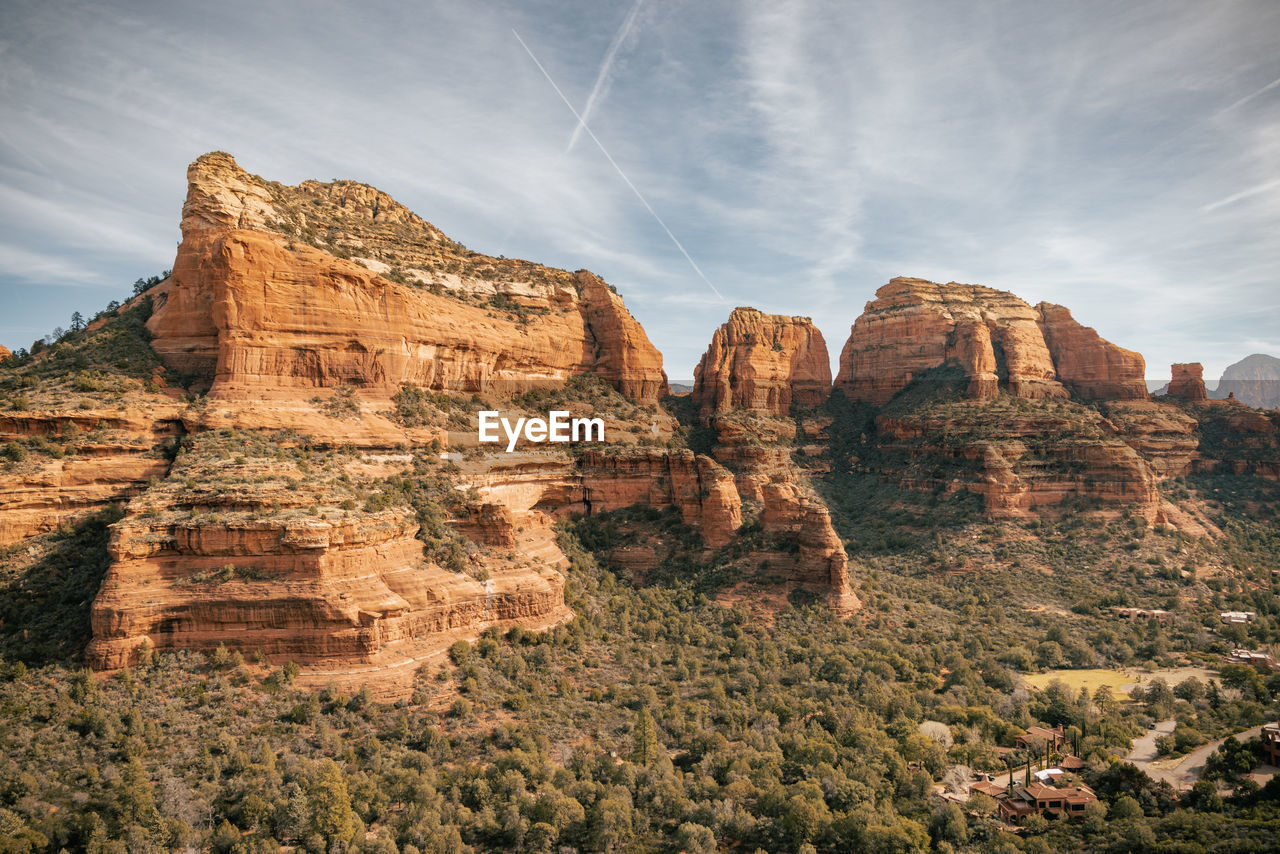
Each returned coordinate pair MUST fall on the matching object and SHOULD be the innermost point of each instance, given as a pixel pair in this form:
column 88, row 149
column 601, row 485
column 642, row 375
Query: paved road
column 1144, row 748
column 1185, row 774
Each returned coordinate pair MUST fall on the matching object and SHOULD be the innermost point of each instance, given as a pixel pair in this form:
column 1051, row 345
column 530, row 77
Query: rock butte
column 271, row 318
column 1000, row 342
column 1187, row 381
column 763, row 363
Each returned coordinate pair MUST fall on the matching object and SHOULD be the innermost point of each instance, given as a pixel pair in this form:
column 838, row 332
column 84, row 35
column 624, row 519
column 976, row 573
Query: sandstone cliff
column 702, row 490
column 1187, row 381
column 89, row 459
column 1022, row 460
column 763, row 363
column 257, row 544
column 1093, row 368
column 998, row 341
column 914, row 325
column 820, row 562
column 279, row 291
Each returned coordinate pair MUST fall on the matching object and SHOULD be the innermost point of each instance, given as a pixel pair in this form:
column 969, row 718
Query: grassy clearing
column 1093, row 679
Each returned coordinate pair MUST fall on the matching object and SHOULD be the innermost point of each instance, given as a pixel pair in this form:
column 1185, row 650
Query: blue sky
column 1120, row 158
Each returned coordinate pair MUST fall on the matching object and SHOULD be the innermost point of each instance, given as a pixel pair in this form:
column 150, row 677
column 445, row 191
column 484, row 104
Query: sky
column 1119, row 158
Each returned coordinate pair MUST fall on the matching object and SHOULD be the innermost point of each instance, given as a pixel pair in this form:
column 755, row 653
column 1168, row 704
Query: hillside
column 262, row 586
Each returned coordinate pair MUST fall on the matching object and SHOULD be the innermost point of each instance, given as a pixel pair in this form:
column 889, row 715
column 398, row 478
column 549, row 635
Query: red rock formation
column 1022, row 462
column 1089, row 365
column 702, row 489
column 821, row 562
column 1188, row 381
column 763, row 363
column 269, row 317
column 1163, row 435
column 914, row 325
column 756, row 450
column 998, row 340
column 5, row 352
column 317, row 592
column 112, row 456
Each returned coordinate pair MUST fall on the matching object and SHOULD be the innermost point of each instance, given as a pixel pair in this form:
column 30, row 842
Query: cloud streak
column 804, row 151
column 602, row 76
column 1255, row 190
column 621, row 174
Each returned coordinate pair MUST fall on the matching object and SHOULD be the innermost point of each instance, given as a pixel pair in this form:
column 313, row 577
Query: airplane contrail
column 1247, row 98
column 603, row 75
column 623, row 175
column 1243, row 194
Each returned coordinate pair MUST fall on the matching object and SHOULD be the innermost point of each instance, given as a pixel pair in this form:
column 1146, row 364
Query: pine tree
column 645, row 736
column 331, row 814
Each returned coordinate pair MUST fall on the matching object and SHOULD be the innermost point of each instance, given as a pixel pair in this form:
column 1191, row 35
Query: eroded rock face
column 763, row 363
column 1023, row 462
column 316, row 593
column 107, row 456
column 1092, row 367
column 998, row 341
column 1187, row 381
column 821, row 562
column 239, row 551
column 1165, row 436
column 914, row 325
column 251, row 304
column 702, row 489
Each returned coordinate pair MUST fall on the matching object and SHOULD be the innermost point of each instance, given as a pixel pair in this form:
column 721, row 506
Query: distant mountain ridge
column 1254, row 380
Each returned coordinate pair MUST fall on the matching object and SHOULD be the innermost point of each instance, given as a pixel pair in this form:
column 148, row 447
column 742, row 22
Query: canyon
column 291, row 434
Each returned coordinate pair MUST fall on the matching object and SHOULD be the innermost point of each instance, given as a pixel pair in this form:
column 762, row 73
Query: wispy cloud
column 803, row 151
column 621, row 174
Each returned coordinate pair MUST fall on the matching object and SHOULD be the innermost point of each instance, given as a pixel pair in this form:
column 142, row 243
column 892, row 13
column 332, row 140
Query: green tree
column 645, row 738
column 331, row 814
column 948, row 825
column 1125, row 807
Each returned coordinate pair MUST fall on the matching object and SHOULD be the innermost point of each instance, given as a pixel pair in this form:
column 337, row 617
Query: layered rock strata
column 703, row 490
column 1187, row 381
column 270, row 299
column 762, row 363
column 1021, row 463
column 998, row 341
column 258, row 562
column 1092, row 367
column 820, row 562
column 103, row 457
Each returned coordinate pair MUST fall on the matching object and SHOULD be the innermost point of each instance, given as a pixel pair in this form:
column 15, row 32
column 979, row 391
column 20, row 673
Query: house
column 1237, row 618
column 1074, row 764
column 1271, row 743
column 1157, row 614
column 986, row 787
column 1041, row 799
column 1259, row 661
column 1055, row 737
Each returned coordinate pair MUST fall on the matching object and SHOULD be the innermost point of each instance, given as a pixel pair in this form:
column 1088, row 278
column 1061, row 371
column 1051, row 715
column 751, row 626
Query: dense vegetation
column 656, row 720
column 661, row 718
